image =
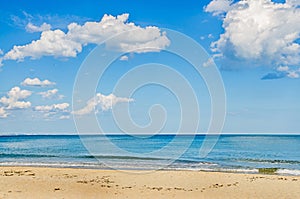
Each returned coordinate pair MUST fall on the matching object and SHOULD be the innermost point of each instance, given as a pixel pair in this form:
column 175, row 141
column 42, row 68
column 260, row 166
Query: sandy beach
column 29, row 182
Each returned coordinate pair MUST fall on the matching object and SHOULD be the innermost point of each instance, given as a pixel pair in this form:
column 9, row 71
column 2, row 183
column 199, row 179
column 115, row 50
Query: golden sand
column 28, row 182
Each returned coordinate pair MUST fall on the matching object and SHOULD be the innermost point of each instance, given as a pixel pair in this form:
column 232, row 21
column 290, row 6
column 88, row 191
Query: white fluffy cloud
column 37, row 82
column 59, row 111
column 282, row 72
column 64, row 117
column 218, row 7
column 57, row 43
column 51, row 94
column 259, row 31
column 133, row 36
column 101, row 102
column 32, row 28
column 53, row 108
column 283, row 68
column 293, row 2
column 124, row 58
column 209, row 62
column 291, row 73
column 51, row 43
column 14, row 98
column 3, row 113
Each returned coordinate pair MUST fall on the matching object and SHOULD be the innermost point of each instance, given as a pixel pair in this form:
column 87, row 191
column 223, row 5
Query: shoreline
column 253, row 171
column 49, row 182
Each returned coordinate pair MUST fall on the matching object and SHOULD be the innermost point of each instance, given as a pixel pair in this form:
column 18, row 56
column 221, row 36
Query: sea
column 231, row 153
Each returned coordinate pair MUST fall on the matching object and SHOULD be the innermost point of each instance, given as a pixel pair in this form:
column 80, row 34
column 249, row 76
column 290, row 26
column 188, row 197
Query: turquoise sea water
column 233, row 153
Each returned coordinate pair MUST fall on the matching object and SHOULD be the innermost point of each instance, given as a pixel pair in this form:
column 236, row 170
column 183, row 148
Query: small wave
column 268, row 161
column 16, row 155
column 230, row 170
column 120, row 157
column 288, row 172
column 194, row 162
column 55, row 164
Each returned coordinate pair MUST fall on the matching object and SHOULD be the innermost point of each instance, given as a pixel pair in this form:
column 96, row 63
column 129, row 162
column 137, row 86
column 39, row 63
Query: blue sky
column 255, row 45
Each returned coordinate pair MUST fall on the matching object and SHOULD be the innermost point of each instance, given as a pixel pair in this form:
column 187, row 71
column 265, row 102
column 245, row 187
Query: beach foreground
column 29, row 182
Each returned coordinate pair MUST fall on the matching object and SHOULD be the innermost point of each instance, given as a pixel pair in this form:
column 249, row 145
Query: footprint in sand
column 281, row 178
column 126, row 187
column 82, row 181
column 179, row 189
column 236, row 183
column 19, row 173
column 157, row 188
column 216, row 186
column 56, row 189
column 8, row 173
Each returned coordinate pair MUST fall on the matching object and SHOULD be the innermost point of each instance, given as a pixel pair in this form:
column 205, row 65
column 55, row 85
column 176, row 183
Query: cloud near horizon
column 52, row 108
column 101, row 102
column 15, row 99
column 259, row 32
column 51, row 94
column 37, row 82
column 58, row 43
column 55, row 110
column 3, row 113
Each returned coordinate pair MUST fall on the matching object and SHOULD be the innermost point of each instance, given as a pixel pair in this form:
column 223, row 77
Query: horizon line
column 138, row 134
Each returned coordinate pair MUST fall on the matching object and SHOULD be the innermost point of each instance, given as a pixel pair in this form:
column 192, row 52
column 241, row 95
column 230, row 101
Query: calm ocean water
column 233, row 153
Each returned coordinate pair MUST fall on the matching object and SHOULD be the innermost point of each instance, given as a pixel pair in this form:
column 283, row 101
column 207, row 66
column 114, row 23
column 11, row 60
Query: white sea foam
column 288, row 172
column 53, row 164
column 231, row 170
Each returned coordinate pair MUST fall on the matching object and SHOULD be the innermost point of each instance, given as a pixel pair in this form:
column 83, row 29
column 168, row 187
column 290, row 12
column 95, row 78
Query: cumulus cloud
column 261, row 32
column 209, row 36
column 37, row 82
column 281, row 72
column 3, row 113
column 53, row 108
column 32, row 28
column 49, row 94
column 289, row 72
column 282, row 68
column 59, row 111
column 293, row 2
column 51, row 43
column 209, row 62
column 101, row 102
column 64, row 117
column 218, row 7
column 293, row 74
column 124, row 58
column 58, row 43
column 14, row 98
